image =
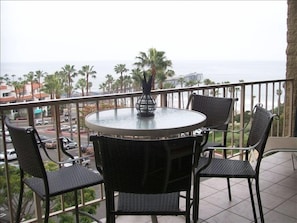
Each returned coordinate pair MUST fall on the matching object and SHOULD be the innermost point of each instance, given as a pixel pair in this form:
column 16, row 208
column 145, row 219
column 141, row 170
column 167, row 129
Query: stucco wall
column 292, row 49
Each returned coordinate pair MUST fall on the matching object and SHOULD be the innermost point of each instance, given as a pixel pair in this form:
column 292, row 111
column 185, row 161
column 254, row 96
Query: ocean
column 217, row 71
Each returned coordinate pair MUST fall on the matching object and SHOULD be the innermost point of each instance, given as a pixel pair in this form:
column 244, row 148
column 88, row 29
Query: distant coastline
column 218, row 71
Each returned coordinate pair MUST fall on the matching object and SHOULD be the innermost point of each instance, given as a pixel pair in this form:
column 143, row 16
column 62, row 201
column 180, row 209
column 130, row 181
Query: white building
column 192, row 77
column 8, row 95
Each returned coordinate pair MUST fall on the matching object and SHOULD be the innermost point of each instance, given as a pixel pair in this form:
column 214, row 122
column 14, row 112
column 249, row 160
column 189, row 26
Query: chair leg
column 196, row 197
column 259, row 200
column 154, row 219
column 109, row 202
column 228, row 179
column 76, row 207
column 47, row 209
column 188, row 206
column 229, row 189
column 252, row 199
column 293, row 156
column 18, row 215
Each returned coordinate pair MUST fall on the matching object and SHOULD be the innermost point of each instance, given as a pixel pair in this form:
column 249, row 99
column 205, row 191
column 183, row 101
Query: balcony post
column 242, row 110
column 163, row 98
column 38, row 212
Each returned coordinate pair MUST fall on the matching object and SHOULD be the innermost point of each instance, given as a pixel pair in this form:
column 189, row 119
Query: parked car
column 8, row 139
column 11, row 155
column 67, row 142
column 66, row 118
column 50, row 144
column 83, row 161
column 43, row 140
column 40, row 122
column 73, row 129
column 5, row 130
column 65, row 127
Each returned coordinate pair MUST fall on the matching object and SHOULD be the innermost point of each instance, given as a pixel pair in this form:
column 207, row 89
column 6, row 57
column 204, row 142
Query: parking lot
column 47, row 131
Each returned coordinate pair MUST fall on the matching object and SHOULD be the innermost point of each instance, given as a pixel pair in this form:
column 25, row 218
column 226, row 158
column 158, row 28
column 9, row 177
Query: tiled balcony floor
column 278, row 184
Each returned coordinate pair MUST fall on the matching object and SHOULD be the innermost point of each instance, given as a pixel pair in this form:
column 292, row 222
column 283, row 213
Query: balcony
column 278, row 191
column 278, row 183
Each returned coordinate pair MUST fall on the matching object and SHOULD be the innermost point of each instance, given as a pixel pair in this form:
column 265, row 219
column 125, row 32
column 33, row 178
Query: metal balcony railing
column 271, row 94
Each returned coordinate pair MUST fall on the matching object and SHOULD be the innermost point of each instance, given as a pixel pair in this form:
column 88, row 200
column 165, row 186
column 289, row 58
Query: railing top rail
column 126, row 95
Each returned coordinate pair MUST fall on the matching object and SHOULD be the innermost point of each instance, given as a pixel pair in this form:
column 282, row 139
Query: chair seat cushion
column 65, row 180
column 226, row 168
column 143, row 203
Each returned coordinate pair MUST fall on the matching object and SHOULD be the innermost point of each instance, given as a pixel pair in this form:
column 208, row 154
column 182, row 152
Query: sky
column 34, row 31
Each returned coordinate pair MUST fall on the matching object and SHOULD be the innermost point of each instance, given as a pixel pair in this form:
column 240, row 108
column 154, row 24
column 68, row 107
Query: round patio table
column 126, row 122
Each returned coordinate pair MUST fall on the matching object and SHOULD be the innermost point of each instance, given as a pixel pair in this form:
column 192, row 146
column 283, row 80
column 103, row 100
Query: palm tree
column 69, row 73
column 181, row 80
column 81, row 84
column 90, row 85
column 162, row 76
column 208, row 81
column 168, row 85
column 87, row 71
column 127, row 83
column 155, row 62
column 38, row 75
column 103, row 87
column 190, row 83
column 53, row 85
column 120, row 69
column 49, row 86
column 109, row 82
column 137, row 78
column 30, row 78
column 5, row 79
column 19, row 88
column 13, row 76
column 116, row 85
